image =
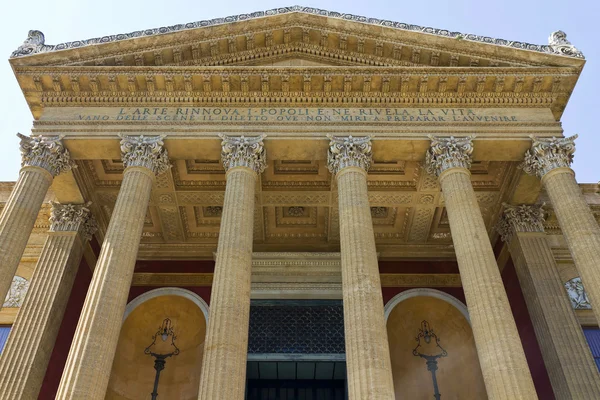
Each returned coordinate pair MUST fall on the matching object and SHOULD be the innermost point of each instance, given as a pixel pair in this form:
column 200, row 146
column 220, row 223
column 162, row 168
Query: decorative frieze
column 448, row 152
column 17, row 292
column 145, row 151
column 349, row 152
column 577, row 294
column 73, row 218
column 45, row 152
column 548, row 154
column 521, row 218
column 243, row 152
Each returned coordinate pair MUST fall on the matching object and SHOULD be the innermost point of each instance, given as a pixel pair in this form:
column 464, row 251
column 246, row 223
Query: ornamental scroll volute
column 521, row 218
column 349, row 152
column 243, row 151
column 548, row 154
column 73, row 218
column 48, row 153
column 145, row 151
column 448, row 152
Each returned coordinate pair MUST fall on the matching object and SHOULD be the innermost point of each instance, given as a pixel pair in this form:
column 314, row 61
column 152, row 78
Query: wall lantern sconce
column 164, row 334
column 428, row 347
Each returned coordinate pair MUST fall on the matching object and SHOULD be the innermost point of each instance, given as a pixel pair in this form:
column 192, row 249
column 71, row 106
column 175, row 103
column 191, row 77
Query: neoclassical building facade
column 307, row 205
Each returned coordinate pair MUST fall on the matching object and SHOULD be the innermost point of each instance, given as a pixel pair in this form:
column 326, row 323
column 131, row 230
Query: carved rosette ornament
column 548, row 154
column 45, row 152
column 521, row 218
column 145, row 151
column 73, row 218
column 448, row 152
column 243, row 152
column 349, row 152
column 560, row 45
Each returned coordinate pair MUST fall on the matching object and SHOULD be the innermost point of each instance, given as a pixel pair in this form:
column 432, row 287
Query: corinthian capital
column 448, row 152
column 145, row 151
column 45, row 152
column 243, row 152
column 349, row 152
column 548, row 154
column 523, row 218
column 73, row 218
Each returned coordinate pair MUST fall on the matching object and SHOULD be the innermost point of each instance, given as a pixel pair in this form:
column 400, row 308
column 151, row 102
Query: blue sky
column 525, row 20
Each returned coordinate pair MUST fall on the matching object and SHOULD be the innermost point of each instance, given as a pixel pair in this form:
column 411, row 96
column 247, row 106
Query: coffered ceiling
column 296, row 206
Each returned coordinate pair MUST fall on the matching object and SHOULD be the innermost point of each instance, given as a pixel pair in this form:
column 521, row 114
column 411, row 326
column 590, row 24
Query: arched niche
column 132, row 375
column 459, row 374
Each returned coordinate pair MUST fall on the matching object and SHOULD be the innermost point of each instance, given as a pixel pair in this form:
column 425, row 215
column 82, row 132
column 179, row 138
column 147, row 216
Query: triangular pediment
column 240, row 40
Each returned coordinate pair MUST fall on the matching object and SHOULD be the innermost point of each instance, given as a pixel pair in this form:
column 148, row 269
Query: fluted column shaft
column 42, row 159
column 90, row 359
column 503, row 364
column 571, row 367
column 368, row 361
column 550, row 160
column 17, row 220
column 226, row 347
column 367, row 350
column 223, row 373
column 579, row 228
column 27, row 352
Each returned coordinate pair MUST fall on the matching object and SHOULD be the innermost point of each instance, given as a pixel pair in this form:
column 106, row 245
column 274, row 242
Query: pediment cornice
column 222, row 41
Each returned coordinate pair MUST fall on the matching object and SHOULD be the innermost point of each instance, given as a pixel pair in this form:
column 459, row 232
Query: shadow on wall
column 132, row 375
column 459, row 375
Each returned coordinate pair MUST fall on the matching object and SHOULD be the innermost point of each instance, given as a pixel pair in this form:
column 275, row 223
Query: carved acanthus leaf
column 448, row 152
column 560, row 45
column 145, row 151
column 243, row 152
column 45, row 152
column 548, row 154
column 73, row 218
column 349, row 152
column 521, row 218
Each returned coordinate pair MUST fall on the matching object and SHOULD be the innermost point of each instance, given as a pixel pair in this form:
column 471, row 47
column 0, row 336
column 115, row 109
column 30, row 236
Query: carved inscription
column 298, row 115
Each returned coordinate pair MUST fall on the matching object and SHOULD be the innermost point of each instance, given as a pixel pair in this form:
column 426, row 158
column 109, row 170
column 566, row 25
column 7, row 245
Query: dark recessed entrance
column 303, row 380
column 296, row 351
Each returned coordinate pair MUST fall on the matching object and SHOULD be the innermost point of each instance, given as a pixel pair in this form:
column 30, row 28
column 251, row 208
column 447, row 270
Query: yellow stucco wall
column 132, row 375
column 459, row 374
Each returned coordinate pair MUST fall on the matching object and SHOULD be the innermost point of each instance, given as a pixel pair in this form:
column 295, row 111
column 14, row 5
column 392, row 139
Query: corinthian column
column 43, row 158
column 505, row 371
column 27, row 352
column 571, row 367
column 226, row 346
column 550, row 159
column 367, row 351
column 93, row 348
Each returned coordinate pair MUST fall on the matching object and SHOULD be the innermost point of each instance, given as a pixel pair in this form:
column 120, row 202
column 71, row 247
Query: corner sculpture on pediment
column 560, row 45
column 349, row 152
column 243, row 152
column 145, row 151
column 48, row 153
column 448, row 152
column 548, row 154
column 35, row 43
column 558, row 42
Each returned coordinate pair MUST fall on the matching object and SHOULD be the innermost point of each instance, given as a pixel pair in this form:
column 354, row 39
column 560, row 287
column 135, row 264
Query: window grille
column 287, row 327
